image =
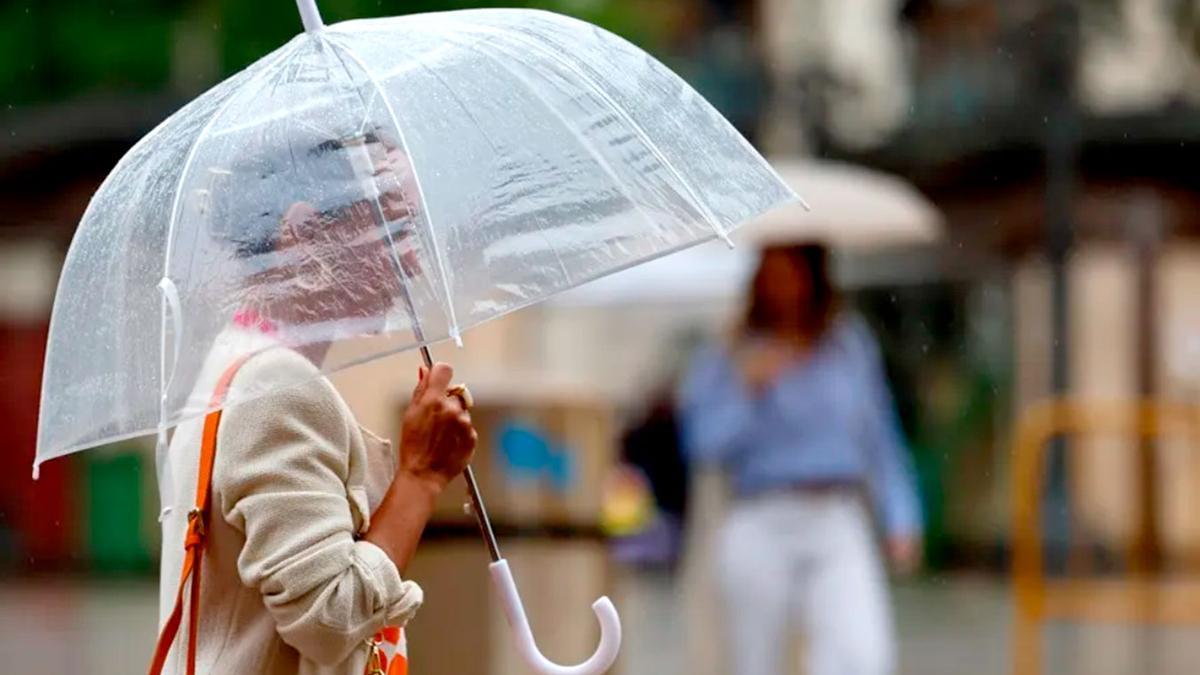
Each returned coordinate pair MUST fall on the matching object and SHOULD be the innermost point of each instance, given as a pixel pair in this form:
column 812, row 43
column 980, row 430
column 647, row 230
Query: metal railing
column 1137, row 596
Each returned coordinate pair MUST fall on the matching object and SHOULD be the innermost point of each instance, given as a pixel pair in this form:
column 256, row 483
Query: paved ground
column 952, row 627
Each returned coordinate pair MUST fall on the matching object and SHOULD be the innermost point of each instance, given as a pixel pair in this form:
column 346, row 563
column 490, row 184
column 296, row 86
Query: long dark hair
column 810, row 260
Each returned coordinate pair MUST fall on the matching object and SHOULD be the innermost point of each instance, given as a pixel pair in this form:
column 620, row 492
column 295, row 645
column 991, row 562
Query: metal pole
column 477, row 506
column 1146, row 227
column 361, row 162
column 1056, row 85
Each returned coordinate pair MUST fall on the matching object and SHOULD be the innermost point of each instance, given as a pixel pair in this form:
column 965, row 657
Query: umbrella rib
column 617, row 110
column 191, row 157
column 125, row 159
column 602, row 161
column 178, row 198
column 437, row 252
column 562, row 267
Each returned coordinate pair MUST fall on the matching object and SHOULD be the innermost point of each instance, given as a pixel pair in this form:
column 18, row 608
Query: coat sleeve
column 280, row 479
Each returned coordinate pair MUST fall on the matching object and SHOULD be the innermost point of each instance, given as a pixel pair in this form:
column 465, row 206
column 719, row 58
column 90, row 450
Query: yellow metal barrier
column 1136, row 597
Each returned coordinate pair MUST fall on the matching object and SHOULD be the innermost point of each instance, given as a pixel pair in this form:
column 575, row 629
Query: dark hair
column 259, row 188
column 810, row 259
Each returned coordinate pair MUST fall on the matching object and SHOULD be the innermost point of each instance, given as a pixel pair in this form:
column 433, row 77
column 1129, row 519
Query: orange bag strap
column 196, row 535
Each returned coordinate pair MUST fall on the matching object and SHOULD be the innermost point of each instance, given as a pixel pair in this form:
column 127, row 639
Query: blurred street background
column 1043, row 346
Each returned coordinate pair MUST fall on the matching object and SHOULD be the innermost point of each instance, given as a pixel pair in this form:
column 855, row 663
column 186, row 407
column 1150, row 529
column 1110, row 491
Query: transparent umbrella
column 854, row 210
column 397, row 180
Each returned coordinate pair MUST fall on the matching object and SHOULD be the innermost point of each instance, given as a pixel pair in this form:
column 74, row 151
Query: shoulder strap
column 196, row 535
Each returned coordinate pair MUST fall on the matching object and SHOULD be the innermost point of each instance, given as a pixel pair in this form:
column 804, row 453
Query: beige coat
column 288, row 587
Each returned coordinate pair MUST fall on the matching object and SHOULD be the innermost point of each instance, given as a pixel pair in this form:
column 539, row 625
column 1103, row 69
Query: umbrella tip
column 310, row 15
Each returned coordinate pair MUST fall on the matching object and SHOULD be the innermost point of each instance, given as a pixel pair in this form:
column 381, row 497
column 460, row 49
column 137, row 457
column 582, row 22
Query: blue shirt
column 827, row 417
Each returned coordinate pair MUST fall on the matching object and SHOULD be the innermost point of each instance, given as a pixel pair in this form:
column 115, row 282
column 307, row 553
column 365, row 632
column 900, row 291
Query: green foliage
column 17, row 51
column 63, row 48
column 114, row 511
column 129, row 50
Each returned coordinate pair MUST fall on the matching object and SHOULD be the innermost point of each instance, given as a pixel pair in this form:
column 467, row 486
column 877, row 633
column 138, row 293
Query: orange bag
column 193, row 542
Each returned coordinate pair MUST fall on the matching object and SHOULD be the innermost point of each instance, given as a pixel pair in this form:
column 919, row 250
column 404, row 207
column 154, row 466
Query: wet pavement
column 947, row 626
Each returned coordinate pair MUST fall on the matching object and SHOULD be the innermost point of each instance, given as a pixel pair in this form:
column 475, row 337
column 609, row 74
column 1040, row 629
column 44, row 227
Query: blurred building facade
column 1063, row 174
column 1063, row 170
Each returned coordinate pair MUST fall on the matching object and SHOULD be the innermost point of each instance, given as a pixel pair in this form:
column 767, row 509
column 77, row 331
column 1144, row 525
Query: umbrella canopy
column 697, row 275
column 850, row 207
column 403, row 178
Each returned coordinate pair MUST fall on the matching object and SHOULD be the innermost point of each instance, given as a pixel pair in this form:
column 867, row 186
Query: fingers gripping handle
column 610, row 629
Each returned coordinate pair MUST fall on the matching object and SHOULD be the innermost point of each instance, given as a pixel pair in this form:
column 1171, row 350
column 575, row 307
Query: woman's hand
column 437, row 438
column 762, row 361
column 904, row 552
column 436, row 443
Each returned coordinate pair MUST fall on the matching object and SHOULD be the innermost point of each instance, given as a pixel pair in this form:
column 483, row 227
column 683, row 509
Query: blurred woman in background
column 797, row 410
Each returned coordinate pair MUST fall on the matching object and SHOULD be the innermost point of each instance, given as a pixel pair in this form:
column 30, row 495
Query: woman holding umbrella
column 550, row 153
column 796, row 408
column 311, row 519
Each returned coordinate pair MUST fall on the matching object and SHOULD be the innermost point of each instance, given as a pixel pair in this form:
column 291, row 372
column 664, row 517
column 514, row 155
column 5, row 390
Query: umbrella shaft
column 481, row 516
column 477, row 506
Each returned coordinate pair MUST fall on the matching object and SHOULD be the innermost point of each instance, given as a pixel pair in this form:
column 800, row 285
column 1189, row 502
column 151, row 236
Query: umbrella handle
column 514, row 611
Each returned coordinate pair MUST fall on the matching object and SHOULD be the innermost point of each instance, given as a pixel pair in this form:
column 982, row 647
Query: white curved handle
column 610, row 629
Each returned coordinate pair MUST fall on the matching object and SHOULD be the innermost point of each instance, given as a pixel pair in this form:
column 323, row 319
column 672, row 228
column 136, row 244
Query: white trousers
column 806, row 560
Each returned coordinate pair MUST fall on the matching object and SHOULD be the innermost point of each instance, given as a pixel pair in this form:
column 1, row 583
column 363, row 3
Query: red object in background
column 37, row 516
